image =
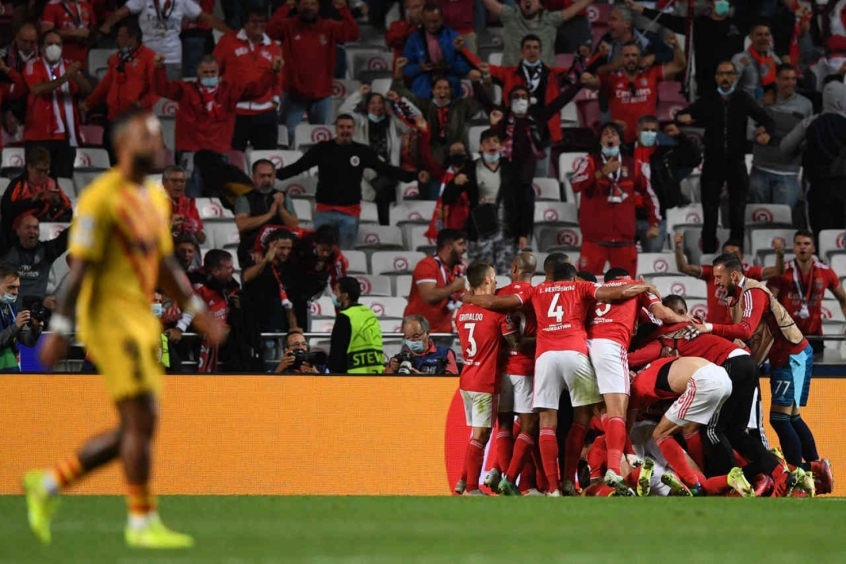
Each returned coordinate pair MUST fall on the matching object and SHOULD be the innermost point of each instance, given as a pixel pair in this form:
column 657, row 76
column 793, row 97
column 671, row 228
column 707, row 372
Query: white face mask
column 8, row 299
column 157, row 310
column 53, row 53
column 519, row 106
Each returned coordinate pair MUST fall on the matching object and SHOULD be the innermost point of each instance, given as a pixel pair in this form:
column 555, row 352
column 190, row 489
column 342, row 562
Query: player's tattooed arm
column 494, row 303
column 513, row 341
column 618, row 293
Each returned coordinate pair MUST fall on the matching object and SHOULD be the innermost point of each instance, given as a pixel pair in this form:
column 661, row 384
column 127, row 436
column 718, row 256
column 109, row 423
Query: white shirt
column 162, row 36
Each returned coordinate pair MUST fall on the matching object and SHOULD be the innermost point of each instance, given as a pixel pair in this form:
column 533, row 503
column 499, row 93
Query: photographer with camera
column 419, row 355
column 298, row 358
column 15, row 328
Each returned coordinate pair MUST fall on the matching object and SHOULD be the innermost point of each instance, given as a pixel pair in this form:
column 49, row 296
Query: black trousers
column 727, row 430
column 714, row 174
column 62, row 156
column 260, row 130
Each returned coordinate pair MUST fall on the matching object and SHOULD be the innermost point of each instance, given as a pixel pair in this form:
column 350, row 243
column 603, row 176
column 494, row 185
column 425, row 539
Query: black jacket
column 724, row 120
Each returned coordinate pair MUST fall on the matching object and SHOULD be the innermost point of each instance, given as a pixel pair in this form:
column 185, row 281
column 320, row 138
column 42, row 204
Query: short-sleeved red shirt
column 67, row 15
column 519, row 363
column 616, row 322
column 431, row 269
column 481, row 331
column 813, row 286
column 718, row 308
column 629, row 100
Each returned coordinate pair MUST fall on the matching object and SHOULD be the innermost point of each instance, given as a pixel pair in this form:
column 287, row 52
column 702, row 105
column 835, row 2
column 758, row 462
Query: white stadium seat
column 369, row 213
column 681, row 217
column 169, row 133
column 402, row 285
column 356, row 262
column 303, row 209
column 374, row 285
column 831, row 311
column 415, row 238
column 385, row 307
column 300, row 186
column 211, row 209
column 413, row 211
column 13, row 157
column 378, row 237
column 656, row 264
column 4, row 183
column 762, row 240
column 838, row 263
column 685, row 286
column 556, row 213
column 322, row 308
column 98, row 61
column 68, row 187
column 165, row 108
column 380, row 86
column 551, row 238
column 566, row 167
column 389, row 326
column 775, row 215
column 48, row 230
column 282, row 137
column 831, row 240
column 473, row 137
column 307, row 134
column 394, row 262
column 693, row 243
column 407, row 190
column 218, row 235
column 547, row 189
column 698, row 308
column 279, row 158
column 770, row 259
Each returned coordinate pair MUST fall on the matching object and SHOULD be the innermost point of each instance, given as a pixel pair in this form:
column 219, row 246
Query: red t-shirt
column 813, row 286
column 560, row 308
column 431, row 269
column 67, row 15
column 643, row 392
column 756, row 304
column 481, row 331
column 519, row 363
column 616, row 322
column 627, row 107
column 710, row 347
column 718, row 309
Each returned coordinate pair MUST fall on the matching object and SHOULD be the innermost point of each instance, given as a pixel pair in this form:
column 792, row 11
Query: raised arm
column 172, row 89
column 311, row 159
column 778, row 269
column 114, row 18
column 575, row 9
column 679, row 61
column 493, row 6
column 214, row 23
column 681, row 261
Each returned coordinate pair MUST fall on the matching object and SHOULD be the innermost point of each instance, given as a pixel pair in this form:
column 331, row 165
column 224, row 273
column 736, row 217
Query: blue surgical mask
column 375, row 119
column 611, row 152
column 725, row 92
column 491, row 158
column 210, row 81
column 8, row 299
column 157, row 309
column 648, row 138
column 721, row 7
column 335, row 301
column 533, row 65
column 415, row 346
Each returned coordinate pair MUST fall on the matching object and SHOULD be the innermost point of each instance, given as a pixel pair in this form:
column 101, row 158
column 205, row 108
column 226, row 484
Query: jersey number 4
column 470, row 352
column 555, row 310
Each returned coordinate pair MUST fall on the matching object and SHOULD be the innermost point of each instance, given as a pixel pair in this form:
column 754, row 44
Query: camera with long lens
column 302, row 356
column 406, row 362
column 37, row 311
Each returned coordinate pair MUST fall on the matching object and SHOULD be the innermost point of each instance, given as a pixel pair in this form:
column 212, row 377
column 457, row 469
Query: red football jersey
column 812, row 287
column 65, row 15
column 520, row 363
column 560, row 309
column 616, row 322
column 643, row 392
column 481, row 331
column 439, row 316
column 628, row 100
column 718, row 309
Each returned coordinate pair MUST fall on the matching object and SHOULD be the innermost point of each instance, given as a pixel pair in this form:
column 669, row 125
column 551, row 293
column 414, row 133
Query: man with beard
column 262, row 206
column 763, row 323
column 530, row 19
column 724, row 113
column 264, row 289
column 33, row 259
column 221, row 294
column 309, row 48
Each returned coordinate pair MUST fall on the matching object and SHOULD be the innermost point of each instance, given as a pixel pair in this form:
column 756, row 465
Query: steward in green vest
column 356, row 346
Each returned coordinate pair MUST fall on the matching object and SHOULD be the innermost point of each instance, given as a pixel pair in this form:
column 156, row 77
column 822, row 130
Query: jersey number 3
column 471, row 350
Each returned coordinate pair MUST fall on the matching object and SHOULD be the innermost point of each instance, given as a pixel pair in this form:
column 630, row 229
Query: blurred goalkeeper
column 121, row 250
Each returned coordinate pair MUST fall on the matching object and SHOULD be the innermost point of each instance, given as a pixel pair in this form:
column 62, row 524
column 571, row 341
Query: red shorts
column 593, row 257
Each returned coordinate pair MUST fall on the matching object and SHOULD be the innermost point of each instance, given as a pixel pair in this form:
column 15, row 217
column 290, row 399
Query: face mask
column 143, row 164
column 53, row 53
column 491, row 158
column 335, row 301
column 8, row 299
column 415, row 346
column 519, row 106
column 533, row 65
column 611, row 152
column 648, row 138
column 157, row 309
column 725, row 92
column 375, row 119
column 457, row 160
column 210, row 81
column 721, row 7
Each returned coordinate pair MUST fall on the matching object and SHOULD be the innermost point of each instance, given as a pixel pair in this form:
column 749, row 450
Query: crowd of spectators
column 469, row 108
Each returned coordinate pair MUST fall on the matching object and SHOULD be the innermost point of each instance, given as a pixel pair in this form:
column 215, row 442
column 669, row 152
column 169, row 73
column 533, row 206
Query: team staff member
column 631, row 91
column 718, row 305
column 436, row 280
column 243, row 57
column 608, row 182
column 427, row 357
column 128, row 82
column 761, row 321
column 356, row 342
column 724, row 113
column 340, row 166
column 802, row 287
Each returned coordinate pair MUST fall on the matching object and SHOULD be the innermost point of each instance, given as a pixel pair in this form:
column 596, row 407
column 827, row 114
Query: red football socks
column 674, row 454
column 504, row 448
column 615, row 439
column 473, row 459
column 522, row 452
column 574, row 446
column 549, row 455
column 694, row 448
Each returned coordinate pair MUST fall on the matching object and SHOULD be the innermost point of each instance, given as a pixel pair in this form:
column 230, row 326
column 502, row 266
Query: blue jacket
column 416, row 51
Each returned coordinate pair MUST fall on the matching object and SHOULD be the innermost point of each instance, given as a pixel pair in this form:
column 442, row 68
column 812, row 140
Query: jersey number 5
column 556, row 310
column 471, row 350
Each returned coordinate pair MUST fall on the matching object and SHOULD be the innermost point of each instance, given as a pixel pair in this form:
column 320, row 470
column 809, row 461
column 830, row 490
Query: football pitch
column 241, row 530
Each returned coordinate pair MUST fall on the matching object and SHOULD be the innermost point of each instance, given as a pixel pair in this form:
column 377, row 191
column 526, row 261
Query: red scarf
column 443, row 118
column 766, row 66
column 209, row 102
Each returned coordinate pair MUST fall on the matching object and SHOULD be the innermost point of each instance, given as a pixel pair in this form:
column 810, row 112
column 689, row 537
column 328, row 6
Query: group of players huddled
column 662, row 402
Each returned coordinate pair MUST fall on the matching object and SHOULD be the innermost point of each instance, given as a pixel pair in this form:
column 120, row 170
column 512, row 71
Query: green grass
column 240, row 530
